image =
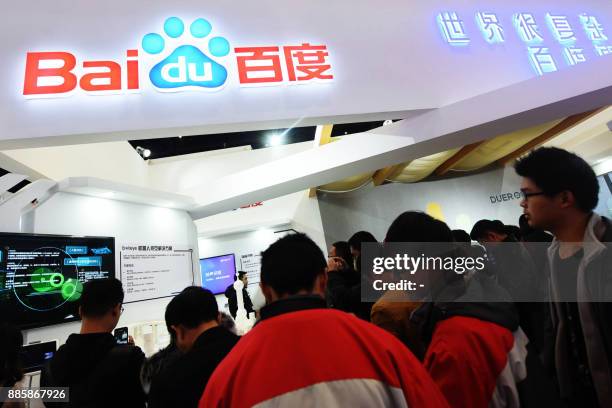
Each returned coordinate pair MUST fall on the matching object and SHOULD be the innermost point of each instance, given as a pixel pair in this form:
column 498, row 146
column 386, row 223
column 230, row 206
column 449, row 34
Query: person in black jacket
column 98, row 372
column 355, row 242
column 232, row 301
column 193, row 319
column 11, row 371
column 344, row 283
column 158, row 363
column 340, row 261
column 514, row 267
column 515, row 270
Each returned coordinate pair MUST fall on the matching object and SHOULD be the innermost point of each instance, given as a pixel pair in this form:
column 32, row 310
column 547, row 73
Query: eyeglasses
column 526, row 194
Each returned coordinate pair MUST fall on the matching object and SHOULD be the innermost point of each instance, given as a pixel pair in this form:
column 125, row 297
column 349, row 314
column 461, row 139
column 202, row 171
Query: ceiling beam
column 383, row 174
column 454, row 159
column 524, row 104
column 322, row 137
column 555, row 131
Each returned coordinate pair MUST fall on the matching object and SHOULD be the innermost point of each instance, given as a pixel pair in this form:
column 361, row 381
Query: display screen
column 34, row 356
column 218, row 272
column 42, row 276
column 121, row 335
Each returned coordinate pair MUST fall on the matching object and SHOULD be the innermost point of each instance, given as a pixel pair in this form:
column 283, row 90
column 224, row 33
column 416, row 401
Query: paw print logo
column 187, row 65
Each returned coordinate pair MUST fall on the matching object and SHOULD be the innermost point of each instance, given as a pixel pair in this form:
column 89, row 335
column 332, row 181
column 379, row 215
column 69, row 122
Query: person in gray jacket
column 560, row 191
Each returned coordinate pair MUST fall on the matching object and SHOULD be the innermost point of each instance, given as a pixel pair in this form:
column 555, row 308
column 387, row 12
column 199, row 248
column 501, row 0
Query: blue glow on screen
column 218, row 272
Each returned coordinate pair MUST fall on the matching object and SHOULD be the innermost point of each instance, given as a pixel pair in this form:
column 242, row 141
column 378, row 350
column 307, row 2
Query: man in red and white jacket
column 302, row 354
column 477, row 352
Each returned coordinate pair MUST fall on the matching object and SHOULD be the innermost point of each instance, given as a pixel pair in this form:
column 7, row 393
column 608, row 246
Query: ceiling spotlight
column 387, row 122
column 275, row 139
column 144, row 153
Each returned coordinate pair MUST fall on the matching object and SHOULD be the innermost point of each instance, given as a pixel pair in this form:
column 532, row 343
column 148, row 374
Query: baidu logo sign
column 187, row 65
column 183, row 58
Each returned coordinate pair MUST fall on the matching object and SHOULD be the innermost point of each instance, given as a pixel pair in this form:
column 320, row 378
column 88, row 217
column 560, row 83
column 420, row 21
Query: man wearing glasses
column 560, row 191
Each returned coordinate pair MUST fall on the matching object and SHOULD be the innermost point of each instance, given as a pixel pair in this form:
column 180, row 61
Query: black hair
column 416, row 226
column 362, row 236
column 498, row 226
column 482, row 227
column 513, row 231
column 193, row 306
column 460, row 235
column 291, row 264
column 239, row 275
column 100, row 296
column 555, row 170
column 343, row 250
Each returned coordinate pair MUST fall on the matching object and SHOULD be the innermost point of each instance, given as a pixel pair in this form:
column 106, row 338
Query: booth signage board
column 111, row 70
column 251, row 264
column 550, row 40
column 186, row 67
column 152, row 271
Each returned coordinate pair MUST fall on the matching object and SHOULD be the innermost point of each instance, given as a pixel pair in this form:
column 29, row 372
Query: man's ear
column 567, row 199
column 321, row 283
column 116, row 311
column 268, row 293
column 178, row 331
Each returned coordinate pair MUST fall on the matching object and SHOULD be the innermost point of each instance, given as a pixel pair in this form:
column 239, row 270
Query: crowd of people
column 543, row 337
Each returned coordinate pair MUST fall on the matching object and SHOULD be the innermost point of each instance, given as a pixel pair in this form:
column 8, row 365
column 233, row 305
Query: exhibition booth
column 84, row 79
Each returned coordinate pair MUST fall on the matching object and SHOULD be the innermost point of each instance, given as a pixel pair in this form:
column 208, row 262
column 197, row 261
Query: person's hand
column 335, row 263
column 131, row 340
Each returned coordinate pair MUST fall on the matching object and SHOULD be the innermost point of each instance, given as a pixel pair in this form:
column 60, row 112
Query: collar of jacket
column 209, row 336
column 292, row 304
column 596, row 231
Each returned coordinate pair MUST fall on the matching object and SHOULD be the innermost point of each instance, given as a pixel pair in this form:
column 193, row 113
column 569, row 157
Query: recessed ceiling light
column 107, row 194
column 275, row 139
